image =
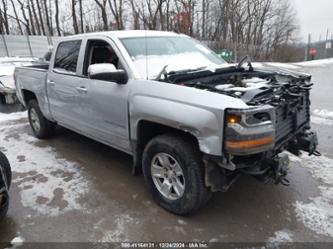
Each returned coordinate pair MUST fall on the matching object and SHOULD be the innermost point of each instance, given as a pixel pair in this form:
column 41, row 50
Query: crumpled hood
column 277, row 69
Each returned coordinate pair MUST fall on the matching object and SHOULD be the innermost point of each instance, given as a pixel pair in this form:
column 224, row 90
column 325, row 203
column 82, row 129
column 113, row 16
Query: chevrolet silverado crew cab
column 192, row 122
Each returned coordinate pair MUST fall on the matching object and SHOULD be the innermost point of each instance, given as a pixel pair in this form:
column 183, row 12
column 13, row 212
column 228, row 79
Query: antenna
column 146, row 51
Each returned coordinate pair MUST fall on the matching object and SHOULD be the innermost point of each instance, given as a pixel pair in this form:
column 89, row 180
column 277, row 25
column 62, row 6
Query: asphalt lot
column 72, row 189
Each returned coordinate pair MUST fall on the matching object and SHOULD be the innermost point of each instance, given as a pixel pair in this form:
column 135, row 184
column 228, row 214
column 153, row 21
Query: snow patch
column 182, row 222
column 317, row 213
column 17, row 241
column 322, row 117
column 283, row 65
column 324, row 114
column 12, row 116
column 119, row 233
column 315, row 63
column 321, row 121
column 48, row 184
column 282, row 236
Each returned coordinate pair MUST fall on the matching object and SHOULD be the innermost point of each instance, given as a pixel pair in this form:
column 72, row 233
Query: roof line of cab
column 124, row 34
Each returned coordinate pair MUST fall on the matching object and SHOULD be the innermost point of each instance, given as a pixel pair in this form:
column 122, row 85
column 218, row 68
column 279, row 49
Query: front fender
column 205, row 124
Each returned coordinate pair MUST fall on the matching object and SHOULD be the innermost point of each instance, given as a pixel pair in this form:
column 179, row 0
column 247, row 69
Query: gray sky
column 314, row 16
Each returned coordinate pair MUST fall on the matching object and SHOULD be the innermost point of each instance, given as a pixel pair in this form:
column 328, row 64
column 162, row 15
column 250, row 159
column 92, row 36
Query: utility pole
column 307, row 49
column 326, row 44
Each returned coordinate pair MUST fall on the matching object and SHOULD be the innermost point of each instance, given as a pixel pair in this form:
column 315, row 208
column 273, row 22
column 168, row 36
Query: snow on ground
column 315, row 63
column 118, row 234
column 295, row 66
column 12, row 116
column 284, row 65
column 317, row 212
column 322, row 117
column 48, row 184
column 324, row 114
column 17, row 241
column 282, row 236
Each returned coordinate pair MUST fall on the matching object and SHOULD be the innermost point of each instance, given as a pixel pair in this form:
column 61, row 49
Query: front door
column 105, row 105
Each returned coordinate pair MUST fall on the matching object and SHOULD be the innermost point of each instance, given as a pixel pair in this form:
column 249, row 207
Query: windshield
column 151, row 54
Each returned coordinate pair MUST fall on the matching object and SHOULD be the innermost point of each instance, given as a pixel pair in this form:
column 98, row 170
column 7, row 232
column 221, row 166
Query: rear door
column 64, row 85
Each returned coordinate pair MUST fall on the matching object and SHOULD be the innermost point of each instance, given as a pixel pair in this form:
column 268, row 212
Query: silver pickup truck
column 192, row 122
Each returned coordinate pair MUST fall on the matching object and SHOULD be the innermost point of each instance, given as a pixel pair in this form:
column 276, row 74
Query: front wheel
column 41, row 127
column 174, row 172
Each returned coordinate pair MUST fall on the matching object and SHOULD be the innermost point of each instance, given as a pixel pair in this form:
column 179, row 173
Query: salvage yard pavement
column 72, row 189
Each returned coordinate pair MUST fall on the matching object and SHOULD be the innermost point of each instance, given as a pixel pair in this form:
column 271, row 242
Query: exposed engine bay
column 253, row 87
column 279, row 119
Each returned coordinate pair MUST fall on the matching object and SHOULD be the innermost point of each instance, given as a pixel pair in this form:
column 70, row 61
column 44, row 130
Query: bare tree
column 102, row 5
column 56, row 2
column 75, row 24
column 47, row 11
column 36, row 22
column 41, row 21
column 17, row 18
column 4, row 16
column 116, row 7
column 149, row 13
column 29, row 25
column 135, row 14
column 81, row 16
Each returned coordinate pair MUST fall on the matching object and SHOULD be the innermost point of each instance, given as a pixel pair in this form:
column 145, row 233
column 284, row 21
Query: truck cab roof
column 127, row 34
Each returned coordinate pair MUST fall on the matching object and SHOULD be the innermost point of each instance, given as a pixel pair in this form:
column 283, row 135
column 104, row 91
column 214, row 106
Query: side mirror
column 107, row 72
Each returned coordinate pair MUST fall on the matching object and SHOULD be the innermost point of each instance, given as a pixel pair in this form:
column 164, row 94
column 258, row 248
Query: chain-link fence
column 32, row 46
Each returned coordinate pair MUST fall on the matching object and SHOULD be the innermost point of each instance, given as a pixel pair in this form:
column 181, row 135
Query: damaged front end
column 253, row 145
column 255, row 139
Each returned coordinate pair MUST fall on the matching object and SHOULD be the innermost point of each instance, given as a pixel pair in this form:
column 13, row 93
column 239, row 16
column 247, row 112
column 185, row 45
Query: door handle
column 51, row 82
column 82, row 89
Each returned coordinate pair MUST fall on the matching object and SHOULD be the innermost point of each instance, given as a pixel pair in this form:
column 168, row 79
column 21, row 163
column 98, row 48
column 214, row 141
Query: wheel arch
column 147, row 130
column 27, row 96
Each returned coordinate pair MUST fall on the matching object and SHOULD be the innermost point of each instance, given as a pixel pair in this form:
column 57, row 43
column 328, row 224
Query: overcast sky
column 314, row 17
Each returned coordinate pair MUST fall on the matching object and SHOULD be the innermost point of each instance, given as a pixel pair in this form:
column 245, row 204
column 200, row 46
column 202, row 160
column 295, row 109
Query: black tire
column 184, row 151
column 4, row 207
column 46, row 127
column 4, row 164
column 2, row 99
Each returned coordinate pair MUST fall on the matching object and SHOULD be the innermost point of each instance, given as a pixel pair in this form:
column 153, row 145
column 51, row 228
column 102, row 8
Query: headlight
column 233, row 118
column 249, row 131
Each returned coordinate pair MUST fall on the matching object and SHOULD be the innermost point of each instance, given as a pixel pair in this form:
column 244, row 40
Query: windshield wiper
column 246, row 59
column 177, row 72
column 163, row 71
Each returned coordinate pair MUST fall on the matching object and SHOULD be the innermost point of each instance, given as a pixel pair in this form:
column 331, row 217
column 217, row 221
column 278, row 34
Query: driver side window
column 98, row 52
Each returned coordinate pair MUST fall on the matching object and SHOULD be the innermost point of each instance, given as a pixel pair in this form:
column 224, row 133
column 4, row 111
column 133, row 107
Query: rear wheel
column 174, row 172
column 41, row 127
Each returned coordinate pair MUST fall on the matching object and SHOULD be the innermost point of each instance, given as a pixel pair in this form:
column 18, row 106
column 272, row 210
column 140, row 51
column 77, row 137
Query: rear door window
column 67, row 56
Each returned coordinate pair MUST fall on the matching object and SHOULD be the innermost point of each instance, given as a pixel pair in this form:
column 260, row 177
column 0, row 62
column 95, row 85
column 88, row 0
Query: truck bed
column 43, row 66
column 33, row 79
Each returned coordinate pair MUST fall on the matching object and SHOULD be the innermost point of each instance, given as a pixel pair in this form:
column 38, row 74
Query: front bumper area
column 269, row 167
